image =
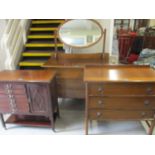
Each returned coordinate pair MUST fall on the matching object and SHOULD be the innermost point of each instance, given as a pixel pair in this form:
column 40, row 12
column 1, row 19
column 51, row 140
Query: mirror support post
column 104, row 40
column 70, row 50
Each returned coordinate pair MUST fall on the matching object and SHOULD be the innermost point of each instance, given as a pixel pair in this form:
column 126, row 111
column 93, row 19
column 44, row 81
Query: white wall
column 152, row 22
column 3, row 24
column 98, row 48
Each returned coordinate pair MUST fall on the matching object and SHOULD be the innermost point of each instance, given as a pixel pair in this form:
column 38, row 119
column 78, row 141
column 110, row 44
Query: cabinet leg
column 58, row 112
column 3, row 122
column 150, row 131
column 86, row 126
column 52, row 123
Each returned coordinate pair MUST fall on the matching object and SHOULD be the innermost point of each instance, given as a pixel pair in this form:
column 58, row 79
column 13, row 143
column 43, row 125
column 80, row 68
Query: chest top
column 119, row 73
column 27, row 76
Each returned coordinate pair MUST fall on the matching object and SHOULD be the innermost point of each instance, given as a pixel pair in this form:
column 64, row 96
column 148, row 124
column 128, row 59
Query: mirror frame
column 89, row 45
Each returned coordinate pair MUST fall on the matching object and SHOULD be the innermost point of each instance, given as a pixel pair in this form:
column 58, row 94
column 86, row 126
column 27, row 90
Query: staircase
column 42, row 41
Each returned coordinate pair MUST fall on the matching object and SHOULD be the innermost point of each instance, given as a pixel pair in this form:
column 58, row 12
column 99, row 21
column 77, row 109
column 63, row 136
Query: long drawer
column 98, row 114
column 124, row 103
column 121, row 89
column 70, row 88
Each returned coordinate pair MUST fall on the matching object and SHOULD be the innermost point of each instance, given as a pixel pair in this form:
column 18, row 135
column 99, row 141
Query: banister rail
column 13, row 40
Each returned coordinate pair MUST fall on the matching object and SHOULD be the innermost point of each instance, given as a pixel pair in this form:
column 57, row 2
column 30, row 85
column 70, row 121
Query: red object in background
column 133, row 33
column 125, row 43
column 132, row 58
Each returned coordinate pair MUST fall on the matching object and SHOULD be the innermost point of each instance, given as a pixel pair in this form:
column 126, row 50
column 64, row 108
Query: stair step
column 47, row 21
column 31, row 63
column 36, row 54
column 41, row 36
column 43, row 45
column 43, row 29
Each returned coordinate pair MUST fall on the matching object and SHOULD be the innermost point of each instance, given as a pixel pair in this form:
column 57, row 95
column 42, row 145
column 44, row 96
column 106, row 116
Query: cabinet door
column 4, row 104
column 21, row 104
column 39, row 98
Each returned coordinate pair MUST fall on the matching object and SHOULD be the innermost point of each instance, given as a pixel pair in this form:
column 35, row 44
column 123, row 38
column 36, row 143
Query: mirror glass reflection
column 80, row 32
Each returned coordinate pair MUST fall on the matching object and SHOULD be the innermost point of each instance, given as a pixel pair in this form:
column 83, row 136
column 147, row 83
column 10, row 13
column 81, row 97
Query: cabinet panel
column 39, row 98
column 18, row 88
column 21, row 103
column 4, row 103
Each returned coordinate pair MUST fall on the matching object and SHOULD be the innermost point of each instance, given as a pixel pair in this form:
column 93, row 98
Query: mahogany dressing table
column 69, row 70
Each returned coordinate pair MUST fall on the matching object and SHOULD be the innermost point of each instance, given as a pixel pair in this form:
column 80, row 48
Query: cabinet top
column 119, row 73
column 27, row 76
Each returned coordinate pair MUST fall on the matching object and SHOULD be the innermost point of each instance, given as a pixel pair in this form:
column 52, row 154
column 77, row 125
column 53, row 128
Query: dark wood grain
column 28, row 94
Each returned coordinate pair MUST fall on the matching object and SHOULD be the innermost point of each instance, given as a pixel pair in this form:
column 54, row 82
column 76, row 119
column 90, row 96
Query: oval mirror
column 80, row 33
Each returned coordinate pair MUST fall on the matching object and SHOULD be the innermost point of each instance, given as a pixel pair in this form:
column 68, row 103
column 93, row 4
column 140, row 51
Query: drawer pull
column 100, row 89
column 100, row 102
column 149, row 90
column 143, row 114
column 98, row 114
column 10, row 96
column 146, row 102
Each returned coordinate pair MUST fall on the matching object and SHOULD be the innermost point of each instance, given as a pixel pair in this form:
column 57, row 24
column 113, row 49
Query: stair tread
column 38, row 51
column 46, row 21
column 41, row 36
column 37, row 54
column 42, row 45
column 32, row 62
column 43, row 28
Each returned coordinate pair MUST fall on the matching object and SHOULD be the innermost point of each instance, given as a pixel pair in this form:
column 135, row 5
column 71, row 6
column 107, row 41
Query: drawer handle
column 143, row 114
column 100, row 89
column 100, row 102
column 149, row 90
column 10, row 96
column 98, row 114
column 146, row 102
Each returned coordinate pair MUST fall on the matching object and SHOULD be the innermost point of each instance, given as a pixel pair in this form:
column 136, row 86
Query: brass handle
column 100, row 102
column 146, row 102
column 143, row 113
column 10, row 96
column 149, row 90
column 98, row 114
column 100, row 89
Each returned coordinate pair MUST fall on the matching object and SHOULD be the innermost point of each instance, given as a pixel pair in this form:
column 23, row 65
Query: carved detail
column 39, row 98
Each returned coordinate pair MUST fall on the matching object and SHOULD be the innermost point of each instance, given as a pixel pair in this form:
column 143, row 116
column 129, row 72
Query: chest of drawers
column 29, row 96
column 120, row 93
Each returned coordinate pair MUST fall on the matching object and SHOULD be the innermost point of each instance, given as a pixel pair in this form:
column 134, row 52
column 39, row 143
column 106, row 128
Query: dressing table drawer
column 120, row 115
column 103, row 89
column 124, row 103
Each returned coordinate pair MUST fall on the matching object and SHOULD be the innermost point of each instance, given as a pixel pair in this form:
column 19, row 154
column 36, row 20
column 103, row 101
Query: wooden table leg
column 86, row 126
column 3, row 122
column 150, row 131
column 52, row 123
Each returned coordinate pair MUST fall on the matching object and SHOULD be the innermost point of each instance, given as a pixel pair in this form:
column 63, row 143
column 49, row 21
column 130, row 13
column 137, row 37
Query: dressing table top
column 76, row 60
column 112, row 73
